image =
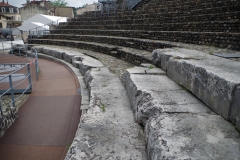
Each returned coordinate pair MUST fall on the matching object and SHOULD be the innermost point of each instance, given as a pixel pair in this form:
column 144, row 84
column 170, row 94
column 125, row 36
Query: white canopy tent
column 32, row 26
column 41, row 21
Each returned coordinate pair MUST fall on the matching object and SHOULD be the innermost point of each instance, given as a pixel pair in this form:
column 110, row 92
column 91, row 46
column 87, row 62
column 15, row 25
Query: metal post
column 3, row 47
column 19, row 51
column 36, row 62
column 95, row 9
column 11, row 34
column 29, row 77
column 0, row 109
column 12, row 93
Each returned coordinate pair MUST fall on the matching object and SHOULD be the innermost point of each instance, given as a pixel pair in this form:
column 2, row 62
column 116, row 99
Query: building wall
column 16, row 17
column 64, row 12
column 3, row 22
column 88, row 8
column 31, row 10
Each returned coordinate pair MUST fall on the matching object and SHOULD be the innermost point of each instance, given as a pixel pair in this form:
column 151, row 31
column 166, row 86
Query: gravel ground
column 6, row 100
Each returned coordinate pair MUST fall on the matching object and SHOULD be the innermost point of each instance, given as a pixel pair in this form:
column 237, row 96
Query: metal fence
column 132, row 3
column 110, row 7
column 19, row 80
column 16, row 88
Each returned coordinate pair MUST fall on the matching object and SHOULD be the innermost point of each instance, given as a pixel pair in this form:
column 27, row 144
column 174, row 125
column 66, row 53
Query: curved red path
column 48, row 120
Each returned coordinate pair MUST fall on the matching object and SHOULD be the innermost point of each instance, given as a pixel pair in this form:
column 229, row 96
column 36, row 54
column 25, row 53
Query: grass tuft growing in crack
column 104, row 85
column 103, row 108
column 151, row 67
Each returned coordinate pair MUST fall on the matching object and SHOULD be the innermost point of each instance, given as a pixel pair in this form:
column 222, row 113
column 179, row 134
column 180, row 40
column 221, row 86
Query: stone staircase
column 178, row 125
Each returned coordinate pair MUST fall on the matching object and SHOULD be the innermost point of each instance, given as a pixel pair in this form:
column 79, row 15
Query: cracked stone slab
column 107, row 128
column 191, row 136
column 151, row 95
column 147, row 69
column 212, row 79
column 86, row 63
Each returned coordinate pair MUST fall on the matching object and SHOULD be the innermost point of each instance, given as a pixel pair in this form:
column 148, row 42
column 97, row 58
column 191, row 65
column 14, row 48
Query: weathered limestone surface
column 150, row 94
column 191, row 136
column 107, row 129
column 212, row 79
column 86, row 63
column 177, row 124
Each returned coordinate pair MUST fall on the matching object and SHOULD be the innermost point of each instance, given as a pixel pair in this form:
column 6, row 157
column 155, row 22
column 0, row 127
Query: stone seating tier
column 142, row 44
column 174, row 119
column 194, row 26
column 179, row 9
column 232, row 17
column 217, row 39
column 227, row 15
column 190, row 3
column 134, row 56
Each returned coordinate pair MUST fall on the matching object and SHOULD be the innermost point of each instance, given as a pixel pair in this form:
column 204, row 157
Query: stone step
column 194, row 26
column 167, row 16
column 137, row 43
column 134, row 56
column 217, row 39
column 144, row 21
column 214, row 80
column 190, row 4
column 107, row 129
column 177, row 124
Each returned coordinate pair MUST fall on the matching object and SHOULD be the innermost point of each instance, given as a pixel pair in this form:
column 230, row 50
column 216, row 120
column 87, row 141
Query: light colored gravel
column 6, row 100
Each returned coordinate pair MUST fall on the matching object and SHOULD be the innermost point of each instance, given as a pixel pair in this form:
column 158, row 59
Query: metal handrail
column 11, row 104
column 14, row 71
column 34, row 59
column 15, row 85
column 11, row 89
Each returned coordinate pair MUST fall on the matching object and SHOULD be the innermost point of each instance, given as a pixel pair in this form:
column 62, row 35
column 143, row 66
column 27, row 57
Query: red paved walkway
column 48, row 120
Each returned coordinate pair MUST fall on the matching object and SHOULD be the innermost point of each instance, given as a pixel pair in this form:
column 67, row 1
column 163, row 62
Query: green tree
column 59, row 3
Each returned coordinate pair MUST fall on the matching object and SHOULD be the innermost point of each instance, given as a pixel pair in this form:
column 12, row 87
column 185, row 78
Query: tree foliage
column 59, row 3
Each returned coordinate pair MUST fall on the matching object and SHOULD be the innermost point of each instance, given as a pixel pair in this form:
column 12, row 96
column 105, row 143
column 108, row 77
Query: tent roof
column 32, row 26
column 46, row 19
